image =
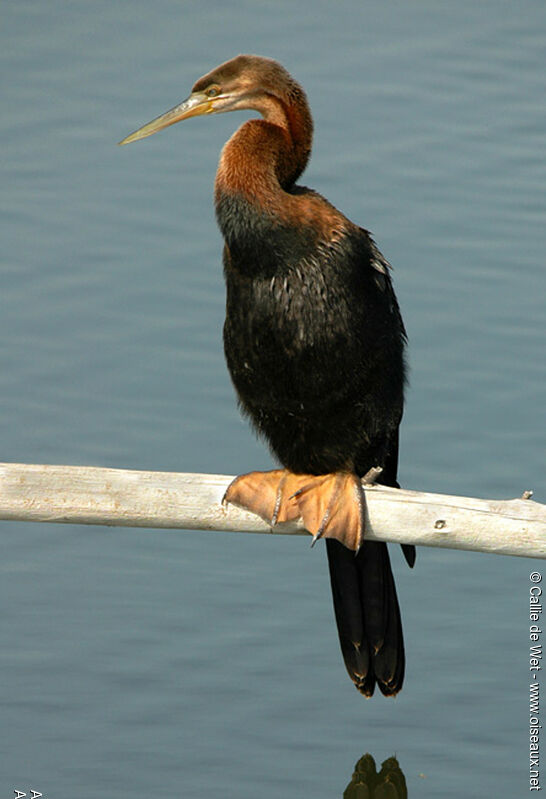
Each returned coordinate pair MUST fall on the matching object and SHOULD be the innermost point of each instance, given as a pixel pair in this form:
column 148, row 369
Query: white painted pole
column 91, row 495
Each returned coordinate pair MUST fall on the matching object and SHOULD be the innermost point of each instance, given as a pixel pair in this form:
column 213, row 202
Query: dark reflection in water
column 367, row 783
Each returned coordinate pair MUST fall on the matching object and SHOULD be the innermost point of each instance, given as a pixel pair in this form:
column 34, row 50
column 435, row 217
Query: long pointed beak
column 196, row 104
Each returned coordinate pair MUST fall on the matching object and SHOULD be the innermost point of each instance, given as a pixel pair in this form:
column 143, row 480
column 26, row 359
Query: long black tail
column 368, row 616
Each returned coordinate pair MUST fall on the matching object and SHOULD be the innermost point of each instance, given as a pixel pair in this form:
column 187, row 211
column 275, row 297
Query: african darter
column 314, row 343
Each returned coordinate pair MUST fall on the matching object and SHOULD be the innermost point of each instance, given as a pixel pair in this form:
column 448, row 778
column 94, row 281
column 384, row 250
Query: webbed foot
column 330, row 505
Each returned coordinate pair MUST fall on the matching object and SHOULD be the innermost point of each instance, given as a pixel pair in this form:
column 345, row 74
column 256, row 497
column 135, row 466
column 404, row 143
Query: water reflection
column 367, row 783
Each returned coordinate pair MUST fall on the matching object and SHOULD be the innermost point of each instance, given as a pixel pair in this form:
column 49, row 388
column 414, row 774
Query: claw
column 330, row 505
column 370, row 478
column 262, row 493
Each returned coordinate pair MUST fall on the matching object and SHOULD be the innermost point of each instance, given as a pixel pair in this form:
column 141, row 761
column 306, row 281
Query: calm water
column 139, row 663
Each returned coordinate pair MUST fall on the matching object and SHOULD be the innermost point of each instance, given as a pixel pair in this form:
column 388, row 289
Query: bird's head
column 245, row 82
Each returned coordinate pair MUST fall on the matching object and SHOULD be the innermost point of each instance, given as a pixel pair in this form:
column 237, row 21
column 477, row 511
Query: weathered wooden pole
column 91, row 495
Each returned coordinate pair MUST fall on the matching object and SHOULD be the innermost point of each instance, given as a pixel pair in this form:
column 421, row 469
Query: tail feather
column 368, row 616
column 408, row 550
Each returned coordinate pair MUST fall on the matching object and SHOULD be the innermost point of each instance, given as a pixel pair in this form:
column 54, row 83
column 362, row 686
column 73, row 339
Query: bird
column 315, row 346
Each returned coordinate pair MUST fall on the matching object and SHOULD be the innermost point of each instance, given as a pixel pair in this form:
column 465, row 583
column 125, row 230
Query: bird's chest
column 286, row 336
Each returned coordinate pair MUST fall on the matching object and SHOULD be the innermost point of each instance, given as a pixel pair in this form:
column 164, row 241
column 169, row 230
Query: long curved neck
column 265, row 157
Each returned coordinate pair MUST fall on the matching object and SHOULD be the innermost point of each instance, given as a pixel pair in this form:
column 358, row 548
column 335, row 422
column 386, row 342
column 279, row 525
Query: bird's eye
column 214, row 91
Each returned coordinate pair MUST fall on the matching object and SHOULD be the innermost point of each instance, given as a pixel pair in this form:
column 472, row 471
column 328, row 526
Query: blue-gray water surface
column 137, row 663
